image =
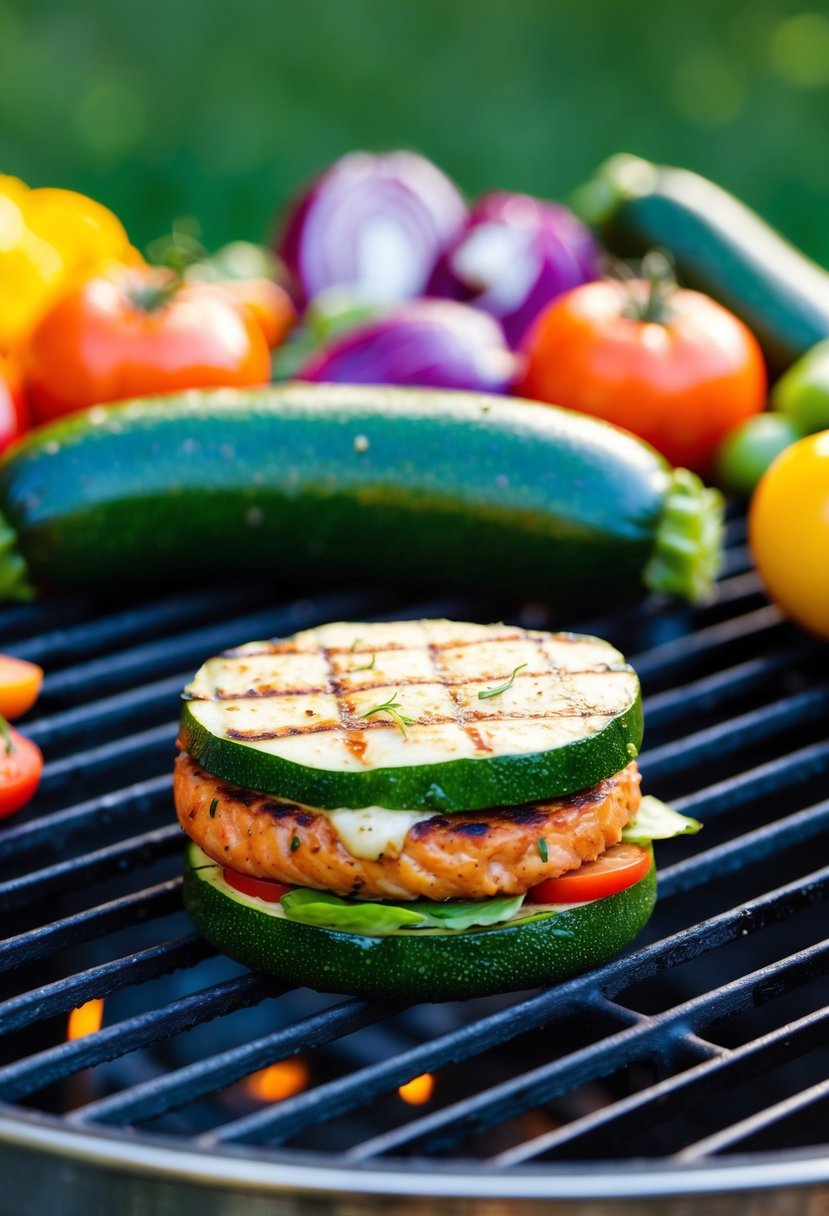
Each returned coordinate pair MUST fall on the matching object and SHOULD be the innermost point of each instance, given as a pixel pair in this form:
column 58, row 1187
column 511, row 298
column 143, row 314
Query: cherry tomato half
column 620, row 867
column 20, row 683
column 788, row 532
column 21, row 763
column 680, row 375
column 137, row 331
column 260, row 888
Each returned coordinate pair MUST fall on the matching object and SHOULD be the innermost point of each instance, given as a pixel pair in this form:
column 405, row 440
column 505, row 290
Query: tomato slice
column 21, row 763
column 620, row 867
column 260, row 888
column 20, row 683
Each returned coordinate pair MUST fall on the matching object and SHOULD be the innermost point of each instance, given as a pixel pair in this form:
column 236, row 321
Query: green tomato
column 746, row 453
column 803, row 391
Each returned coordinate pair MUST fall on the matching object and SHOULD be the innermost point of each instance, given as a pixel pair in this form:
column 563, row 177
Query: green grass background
column 217, row 110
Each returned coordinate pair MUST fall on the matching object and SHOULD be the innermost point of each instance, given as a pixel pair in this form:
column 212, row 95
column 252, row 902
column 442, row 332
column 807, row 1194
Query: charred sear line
column 282, row 732
column 339, row 685
column 288, row 647
column 279, row 810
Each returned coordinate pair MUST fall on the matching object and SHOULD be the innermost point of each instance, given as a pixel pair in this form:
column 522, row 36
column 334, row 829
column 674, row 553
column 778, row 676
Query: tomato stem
column 155, row 291
column 658, row 273
column 6, row 734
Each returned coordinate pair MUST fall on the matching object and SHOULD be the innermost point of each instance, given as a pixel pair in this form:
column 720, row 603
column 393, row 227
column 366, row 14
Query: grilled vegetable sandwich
column 424, row 809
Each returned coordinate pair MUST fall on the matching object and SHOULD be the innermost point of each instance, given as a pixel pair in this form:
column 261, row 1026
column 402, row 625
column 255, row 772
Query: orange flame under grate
column 86, row 1019
column 418, row 1091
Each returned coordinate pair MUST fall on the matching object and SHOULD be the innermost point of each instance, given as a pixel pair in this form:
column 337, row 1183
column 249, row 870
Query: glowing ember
column 418, row 1091
column 278, row 1081
column 85, row 1020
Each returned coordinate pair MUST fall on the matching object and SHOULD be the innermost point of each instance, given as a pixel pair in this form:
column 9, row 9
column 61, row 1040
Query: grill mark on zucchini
column 472, row 718
column 466, row 717
column 577, row 700
column 264, row 694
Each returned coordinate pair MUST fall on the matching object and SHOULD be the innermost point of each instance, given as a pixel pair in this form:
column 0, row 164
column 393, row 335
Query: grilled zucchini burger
column 420, row 809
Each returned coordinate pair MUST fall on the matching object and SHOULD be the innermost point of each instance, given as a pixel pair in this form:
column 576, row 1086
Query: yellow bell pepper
column 49, row 236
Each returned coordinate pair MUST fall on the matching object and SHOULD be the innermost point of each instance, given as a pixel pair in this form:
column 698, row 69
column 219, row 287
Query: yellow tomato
column 788, row 528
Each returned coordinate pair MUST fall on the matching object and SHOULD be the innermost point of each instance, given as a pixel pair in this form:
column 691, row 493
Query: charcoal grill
column 690, row 1075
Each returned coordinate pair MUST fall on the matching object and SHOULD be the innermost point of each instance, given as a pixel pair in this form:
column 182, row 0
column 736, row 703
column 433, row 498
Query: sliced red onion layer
column 515, row 255
column 373, row 223
column 432, row 343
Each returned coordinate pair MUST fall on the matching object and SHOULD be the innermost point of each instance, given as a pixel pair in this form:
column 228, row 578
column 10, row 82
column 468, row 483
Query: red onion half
column 432, row 343
column 372, row 223
column 515, row 255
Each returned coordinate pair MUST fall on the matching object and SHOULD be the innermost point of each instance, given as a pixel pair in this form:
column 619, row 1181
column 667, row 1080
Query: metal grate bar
column 651, row 1038
column 94, row 922
column 182, row 1086
column 754, row 846
column 804, row 765
column 739, row 732
column 155, row 744
column 54, row 832
column 671, row 658
column 673, row 706
column 62, row 995
column 124, row 627
column 119, row 633
column 117, row 858
column 362, row 1087
column 760, row 1121
column 108, row 713
column 685, row 1089
column 37, row 1071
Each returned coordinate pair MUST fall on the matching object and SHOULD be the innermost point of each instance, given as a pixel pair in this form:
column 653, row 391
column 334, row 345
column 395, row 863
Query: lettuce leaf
column 656, row 821
column 380, row 919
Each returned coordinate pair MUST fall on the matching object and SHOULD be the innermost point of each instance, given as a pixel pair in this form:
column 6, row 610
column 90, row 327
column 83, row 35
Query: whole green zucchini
column 720, row 247
column 456, row 490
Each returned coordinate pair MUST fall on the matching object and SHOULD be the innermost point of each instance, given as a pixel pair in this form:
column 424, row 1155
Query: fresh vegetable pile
column 382, row 274
column 425, row 809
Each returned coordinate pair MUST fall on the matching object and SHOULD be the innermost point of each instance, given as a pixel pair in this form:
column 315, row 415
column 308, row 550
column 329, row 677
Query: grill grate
column 703, row 1044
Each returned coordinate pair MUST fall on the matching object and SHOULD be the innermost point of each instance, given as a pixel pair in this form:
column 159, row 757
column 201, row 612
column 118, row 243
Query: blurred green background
column 219, row 111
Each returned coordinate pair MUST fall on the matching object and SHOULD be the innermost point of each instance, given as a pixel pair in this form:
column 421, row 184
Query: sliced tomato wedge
column 21, row 763
column 20, row 683
column 620, row 867
column 260, row 888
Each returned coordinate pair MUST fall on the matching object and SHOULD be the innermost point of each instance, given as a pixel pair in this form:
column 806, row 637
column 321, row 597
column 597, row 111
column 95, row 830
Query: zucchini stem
column 687, row 552
column 14, row 573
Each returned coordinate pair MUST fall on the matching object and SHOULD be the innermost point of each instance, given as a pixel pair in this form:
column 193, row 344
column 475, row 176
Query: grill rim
column 309, row 1174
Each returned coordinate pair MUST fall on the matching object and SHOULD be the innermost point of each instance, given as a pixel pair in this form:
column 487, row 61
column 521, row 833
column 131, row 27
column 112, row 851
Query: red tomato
column 680, row 371
column 21, row 763
column 269, row 303
column 20, row 683
column 618, row 868
column 260, row 888
column 14, row 412
column 134, row 332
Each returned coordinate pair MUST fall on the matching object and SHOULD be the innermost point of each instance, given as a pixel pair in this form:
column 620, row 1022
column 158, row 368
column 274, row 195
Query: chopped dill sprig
column 393, row 708
column 496, row 692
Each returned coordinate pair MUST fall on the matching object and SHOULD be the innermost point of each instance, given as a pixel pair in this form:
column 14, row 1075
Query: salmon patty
column 465, row 855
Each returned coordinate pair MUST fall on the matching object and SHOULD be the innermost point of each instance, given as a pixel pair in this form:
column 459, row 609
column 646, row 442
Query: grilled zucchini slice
column 416, row 715
column 423, row 964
